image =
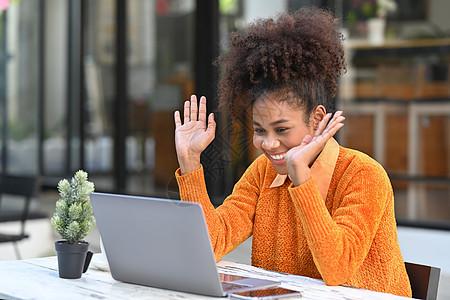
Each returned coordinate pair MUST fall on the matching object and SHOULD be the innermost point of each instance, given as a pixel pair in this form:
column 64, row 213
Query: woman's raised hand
column 194, row 134
column 300, row 158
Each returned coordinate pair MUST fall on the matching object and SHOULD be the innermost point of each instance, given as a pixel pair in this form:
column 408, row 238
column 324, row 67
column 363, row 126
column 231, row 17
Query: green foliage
column 73, row 218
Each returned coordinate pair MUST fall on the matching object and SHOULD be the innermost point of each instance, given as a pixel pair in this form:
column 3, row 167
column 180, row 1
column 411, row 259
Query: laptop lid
column 160, row 243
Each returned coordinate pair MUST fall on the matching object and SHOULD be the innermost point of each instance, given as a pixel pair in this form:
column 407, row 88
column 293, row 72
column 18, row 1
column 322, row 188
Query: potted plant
column 73, row 220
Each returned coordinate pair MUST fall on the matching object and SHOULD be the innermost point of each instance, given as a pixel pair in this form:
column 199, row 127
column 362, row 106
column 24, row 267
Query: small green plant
column 73, row 218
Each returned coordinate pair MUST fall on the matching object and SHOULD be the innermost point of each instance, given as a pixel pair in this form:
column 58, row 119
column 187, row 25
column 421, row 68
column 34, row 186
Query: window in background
column 98, row 63
column 160, row 78
column 55, row 89
column 19, row 95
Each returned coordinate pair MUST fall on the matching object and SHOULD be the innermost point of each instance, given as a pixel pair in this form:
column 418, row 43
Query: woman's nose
column 270, row 143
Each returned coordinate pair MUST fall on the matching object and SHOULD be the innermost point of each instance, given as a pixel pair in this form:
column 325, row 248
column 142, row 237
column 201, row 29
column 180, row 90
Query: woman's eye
column 281, row 129
column 259, row 130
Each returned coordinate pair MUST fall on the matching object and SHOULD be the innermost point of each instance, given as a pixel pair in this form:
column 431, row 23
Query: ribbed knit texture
column 351, row 238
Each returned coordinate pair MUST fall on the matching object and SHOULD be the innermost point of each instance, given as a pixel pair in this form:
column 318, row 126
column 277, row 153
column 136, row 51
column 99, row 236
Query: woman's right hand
column 192, row 137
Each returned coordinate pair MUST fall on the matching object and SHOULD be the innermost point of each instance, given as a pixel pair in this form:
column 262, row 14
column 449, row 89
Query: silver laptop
column 163, row 243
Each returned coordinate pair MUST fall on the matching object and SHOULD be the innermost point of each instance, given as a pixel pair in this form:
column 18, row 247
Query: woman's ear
column 317, row 116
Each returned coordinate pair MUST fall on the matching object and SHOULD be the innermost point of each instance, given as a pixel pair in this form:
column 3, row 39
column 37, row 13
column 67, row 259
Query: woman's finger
column 306, row 140
column 177, row 119
column 194, row 110
column 332, row 120
column 331, row 130
column 337, row 118
column 202, row 109
column 322, row 125
column 187, row 111
column 211, row 129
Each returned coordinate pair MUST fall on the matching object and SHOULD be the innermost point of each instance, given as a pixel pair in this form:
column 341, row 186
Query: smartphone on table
column 266, row 294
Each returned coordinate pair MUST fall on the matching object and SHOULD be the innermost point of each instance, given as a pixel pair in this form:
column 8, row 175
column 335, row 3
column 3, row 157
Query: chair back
column 21, row 186
column 424, row 280
column 26, row 186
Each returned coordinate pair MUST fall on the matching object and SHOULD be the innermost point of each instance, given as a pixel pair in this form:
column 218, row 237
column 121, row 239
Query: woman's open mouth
column 277, row 158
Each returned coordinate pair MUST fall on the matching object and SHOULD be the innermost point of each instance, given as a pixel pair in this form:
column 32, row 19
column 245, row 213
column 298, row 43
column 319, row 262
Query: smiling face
column 278, row 127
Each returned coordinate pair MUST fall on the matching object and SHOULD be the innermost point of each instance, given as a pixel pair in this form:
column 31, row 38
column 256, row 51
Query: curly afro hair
column 300, row 53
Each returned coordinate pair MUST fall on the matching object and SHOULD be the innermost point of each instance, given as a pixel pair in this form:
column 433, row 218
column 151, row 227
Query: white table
column 38, row 279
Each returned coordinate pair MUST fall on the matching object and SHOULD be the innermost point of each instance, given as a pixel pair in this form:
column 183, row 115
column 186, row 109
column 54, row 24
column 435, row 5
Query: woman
column 314, row 208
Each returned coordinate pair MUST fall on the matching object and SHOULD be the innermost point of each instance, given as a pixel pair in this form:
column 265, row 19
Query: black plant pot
column 73, row 259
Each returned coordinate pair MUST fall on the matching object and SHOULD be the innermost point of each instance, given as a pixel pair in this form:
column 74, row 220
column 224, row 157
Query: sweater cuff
column 313, row 213
column 192, row 185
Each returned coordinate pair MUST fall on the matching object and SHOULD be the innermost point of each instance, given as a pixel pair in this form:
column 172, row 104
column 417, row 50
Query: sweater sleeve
column 232, row 222
column 340, row 242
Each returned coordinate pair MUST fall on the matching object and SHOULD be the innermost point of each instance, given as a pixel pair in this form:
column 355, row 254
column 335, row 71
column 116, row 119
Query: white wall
column 426, row 246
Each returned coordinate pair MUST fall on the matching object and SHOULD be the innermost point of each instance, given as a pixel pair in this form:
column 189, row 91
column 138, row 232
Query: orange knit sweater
column 351, row 238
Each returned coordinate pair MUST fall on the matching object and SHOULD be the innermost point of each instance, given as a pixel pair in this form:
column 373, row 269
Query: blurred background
column 93, row 84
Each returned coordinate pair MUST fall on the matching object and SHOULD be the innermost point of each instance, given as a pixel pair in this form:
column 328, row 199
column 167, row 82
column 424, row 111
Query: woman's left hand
column 299, row 159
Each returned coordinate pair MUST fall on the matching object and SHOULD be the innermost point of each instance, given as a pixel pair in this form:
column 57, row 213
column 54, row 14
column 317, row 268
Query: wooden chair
column 19, row 189
column 424, row 280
